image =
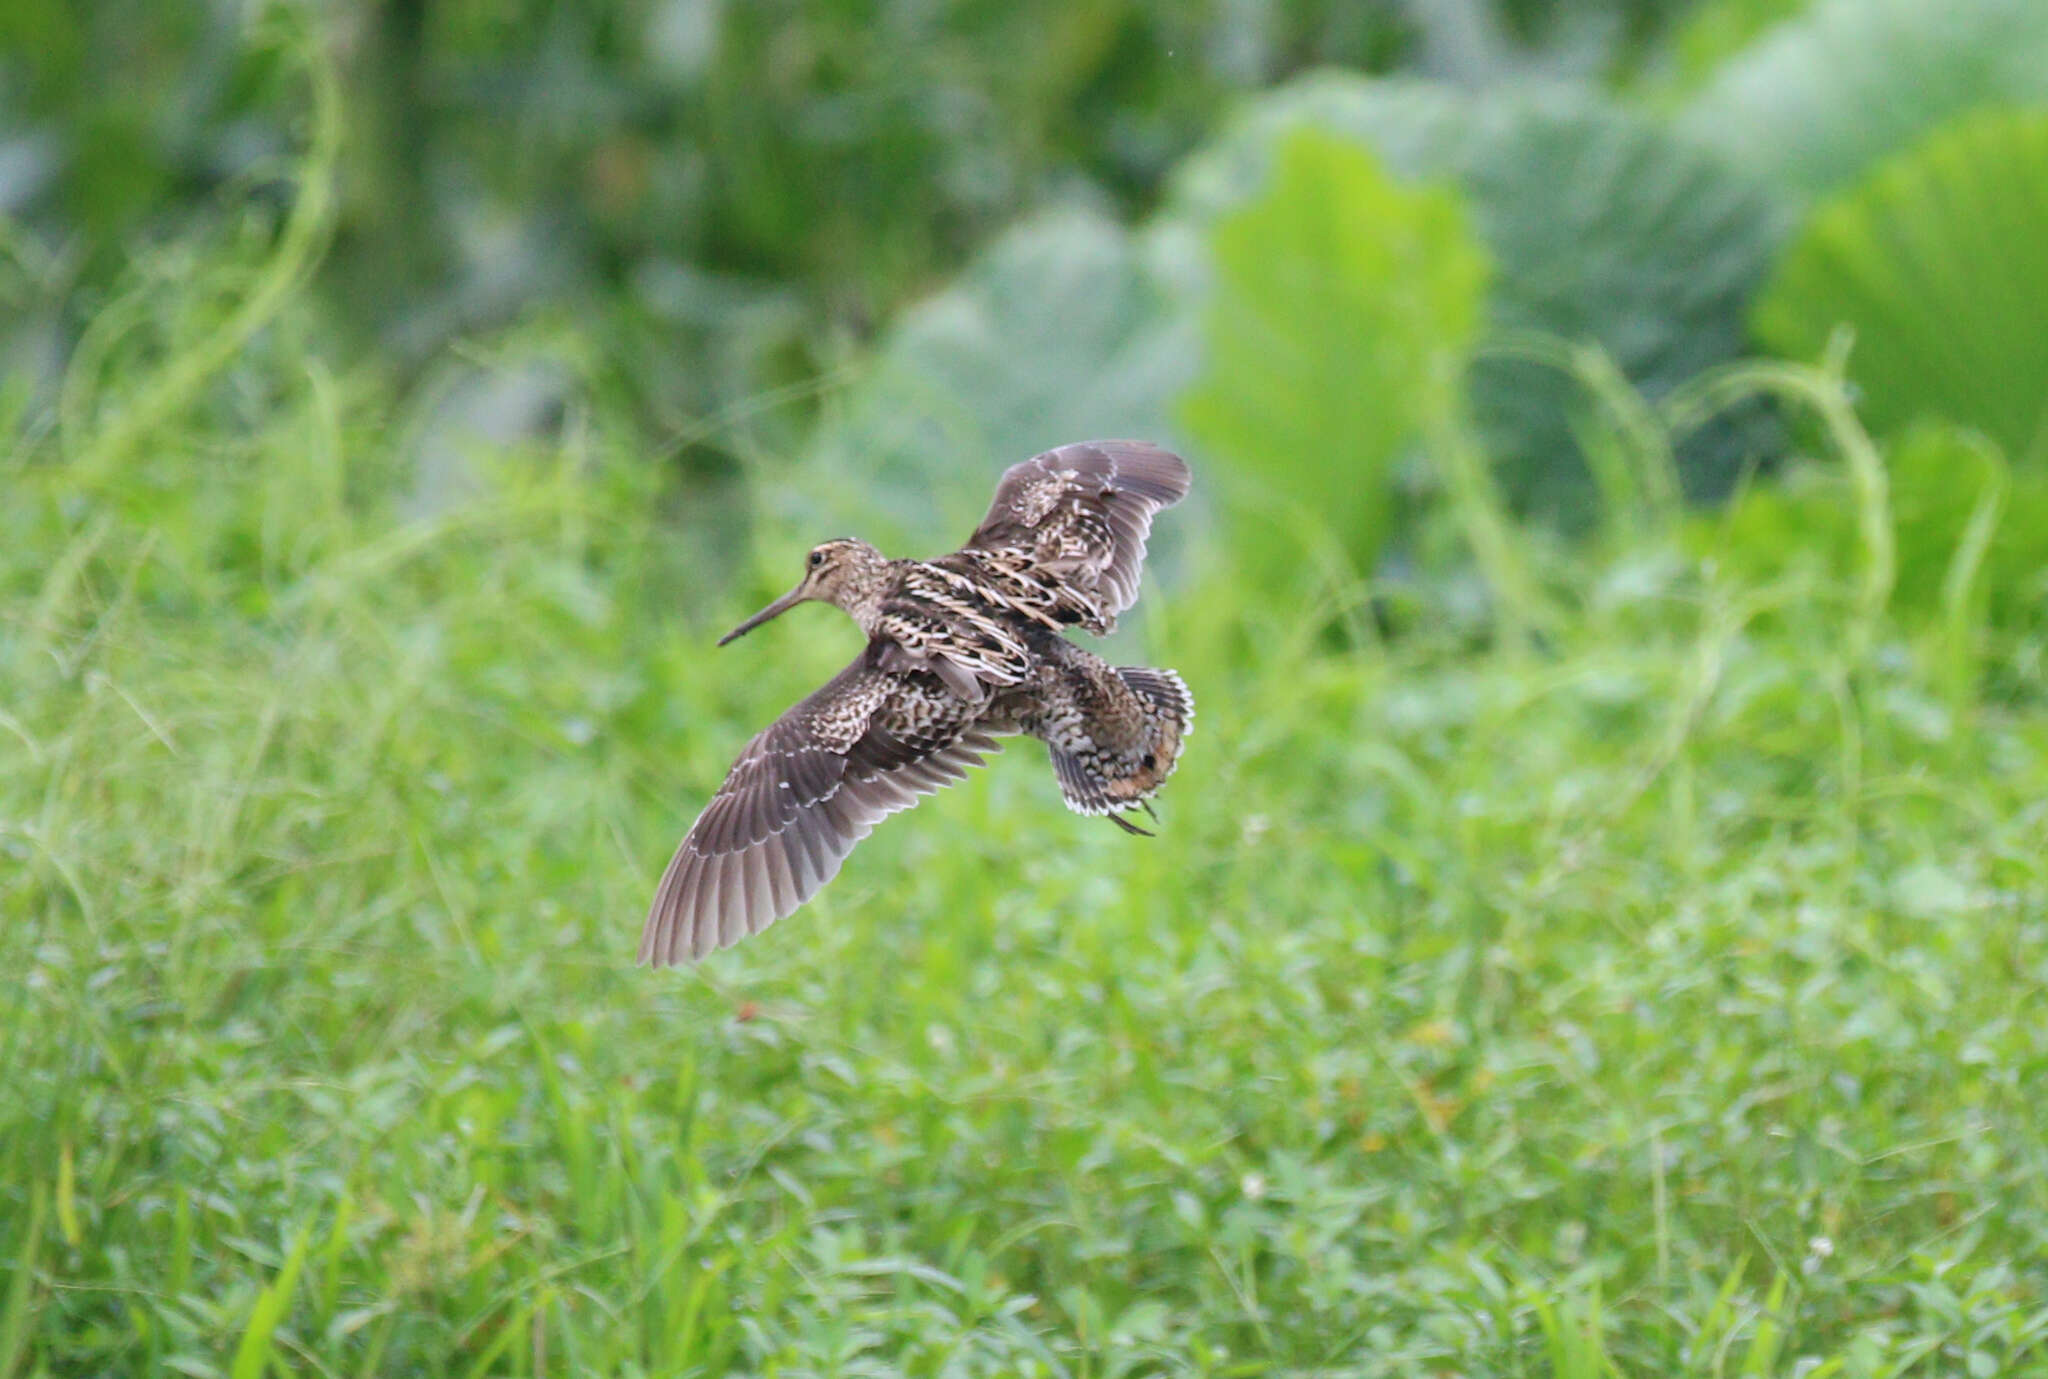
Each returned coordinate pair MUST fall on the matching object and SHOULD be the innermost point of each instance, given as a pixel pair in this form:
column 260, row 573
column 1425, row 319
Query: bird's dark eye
column 817, row 559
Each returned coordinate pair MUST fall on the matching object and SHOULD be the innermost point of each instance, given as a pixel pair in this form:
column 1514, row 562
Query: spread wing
column 816, row 782
column 1082, row 513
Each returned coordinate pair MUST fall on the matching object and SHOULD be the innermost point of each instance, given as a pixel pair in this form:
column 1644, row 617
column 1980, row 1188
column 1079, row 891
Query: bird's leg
column 1127, row 826
column 1146, row 805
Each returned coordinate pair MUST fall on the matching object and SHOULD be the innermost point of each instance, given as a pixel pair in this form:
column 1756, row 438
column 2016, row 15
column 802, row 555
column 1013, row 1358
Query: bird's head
column 844, row 573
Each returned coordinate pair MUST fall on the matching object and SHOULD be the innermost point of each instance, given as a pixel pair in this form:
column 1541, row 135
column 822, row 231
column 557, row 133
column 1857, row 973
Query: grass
column 1663, row 998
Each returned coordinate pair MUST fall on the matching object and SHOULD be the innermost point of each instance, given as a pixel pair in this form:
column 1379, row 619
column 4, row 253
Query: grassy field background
column 1659, row 994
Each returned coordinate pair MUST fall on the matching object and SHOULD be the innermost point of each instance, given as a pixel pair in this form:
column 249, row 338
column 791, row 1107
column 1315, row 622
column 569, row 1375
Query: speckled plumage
column 1114, row 732
column 961, row 649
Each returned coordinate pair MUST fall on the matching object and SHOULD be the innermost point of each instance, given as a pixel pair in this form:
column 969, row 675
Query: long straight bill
column 773, row 610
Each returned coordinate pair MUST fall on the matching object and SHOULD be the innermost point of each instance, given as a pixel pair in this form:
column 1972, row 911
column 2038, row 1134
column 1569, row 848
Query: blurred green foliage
column 1344, row 308
column 1714, row 32
column 1606, row 229
column 1943, row 482
column 1815, row 101
column 664, row 170
column 894, row 237
column 1068, row 324
column 844, row 154
column 1938, row 262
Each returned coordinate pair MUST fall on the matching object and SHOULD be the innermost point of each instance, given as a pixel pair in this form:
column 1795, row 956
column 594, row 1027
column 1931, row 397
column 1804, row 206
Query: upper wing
column 816, row 782
column 1083, row 511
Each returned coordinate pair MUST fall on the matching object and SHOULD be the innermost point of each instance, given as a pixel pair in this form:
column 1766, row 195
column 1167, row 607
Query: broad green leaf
column 1602, row 227
column 1343, row 308
column 1939, row 263
column 1064, row 330
column 1817, row 100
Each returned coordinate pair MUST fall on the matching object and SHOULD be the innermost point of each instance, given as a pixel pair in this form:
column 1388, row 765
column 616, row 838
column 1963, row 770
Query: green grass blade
column 254, row 1351
column 17, row 1323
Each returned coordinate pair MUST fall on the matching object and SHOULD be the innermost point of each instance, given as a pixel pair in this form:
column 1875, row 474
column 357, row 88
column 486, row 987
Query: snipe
column 961, row 650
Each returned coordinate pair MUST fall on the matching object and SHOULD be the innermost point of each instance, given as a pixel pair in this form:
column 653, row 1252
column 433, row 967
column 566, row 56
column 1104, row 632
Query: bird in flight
column 961, row 650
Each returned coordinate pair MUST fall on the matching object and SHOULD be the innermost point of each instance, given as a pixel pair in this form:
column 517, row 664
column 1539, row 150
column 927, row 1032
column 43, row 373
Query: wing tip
column 709, row 901
column 1144, row 468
